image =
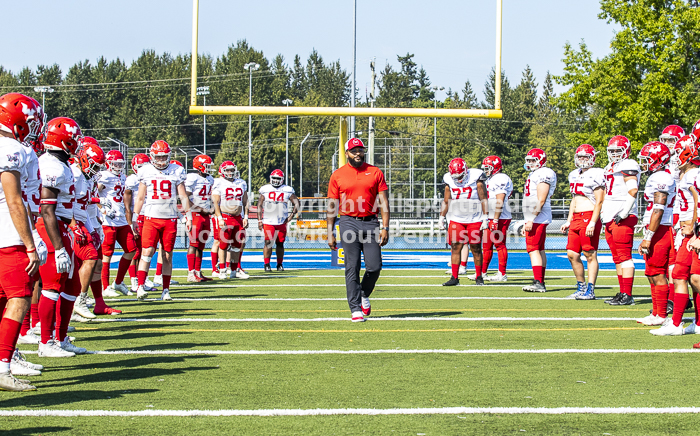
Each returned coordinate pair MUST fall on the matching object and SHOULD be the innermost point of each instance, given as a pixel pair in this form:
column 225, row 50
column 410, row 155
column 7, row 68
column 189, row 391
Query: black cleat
column 689, row 305
column 669, row 308
column 479, row 281
column 623, row 300
column 613, row 301
column 453, row 281
column 280, row 267
column 268, row 268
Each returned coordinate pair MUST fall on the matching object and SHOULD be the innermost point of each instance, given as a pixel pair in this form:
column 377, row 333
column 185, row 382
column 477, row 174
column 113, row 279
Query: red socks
column 626, row 285
column 159, row 269
column 47, row 314
column 198, row 264
column 104, row 275
column 267, row 261
column 166, row 281
column 455, row 270
column 65, row 310
column 502, row 258
column 25, row 324
column 35, row 314
column 679, row 302
column 141, row 276
column 538, row 273
column 463, row 263
column 190, row 261
column 9, row 332
column 124, row 266
column 662, row 300
column 671, row 290
column 696, row 301
column 96, row 288
column 214, row 260
column 222, row 267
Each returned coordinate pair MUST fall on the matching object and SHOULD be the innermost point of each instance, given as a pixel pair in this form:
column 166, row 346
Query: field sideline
column 277, row 354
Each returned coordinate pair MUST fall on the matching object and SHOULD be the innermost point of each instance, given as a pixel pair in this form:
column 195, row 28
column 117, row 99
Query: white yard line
column 329, row 412
column 344, row 299
column 345, row 319
column 394, row 285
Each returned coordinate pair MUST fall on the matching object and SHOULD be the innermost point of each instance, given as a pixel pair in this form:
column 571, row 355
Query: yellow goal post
column 344, row 112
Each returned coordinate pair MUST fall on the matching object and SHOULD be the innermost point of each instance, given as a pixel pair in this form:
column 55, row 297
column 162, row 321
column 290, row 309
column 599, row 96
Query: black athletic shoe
column 613, row 301
column 538, row 287
column 280, row 267
column 479, row 281
column 453, row 281
column 623, row 300
column 669, row 308
column 689, row 305
column 268, row 268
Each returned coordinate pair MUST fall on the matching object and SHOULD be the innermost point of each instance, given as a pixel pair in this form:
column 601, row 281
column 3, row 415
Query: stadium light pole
column 250, row 66
column 354, row 66
column 43, row 90
column 287, row 102
column 435, row 195
column 204, row 91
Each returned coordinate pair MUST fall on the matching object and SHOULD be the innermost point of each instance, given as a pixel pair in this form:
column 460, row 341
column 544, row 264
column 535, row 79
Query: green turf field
column 284, row 341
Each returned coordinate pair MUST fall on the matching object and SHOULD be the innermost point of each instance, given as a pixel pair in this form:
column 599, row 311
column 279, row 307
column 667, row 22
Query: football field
column 277, row 354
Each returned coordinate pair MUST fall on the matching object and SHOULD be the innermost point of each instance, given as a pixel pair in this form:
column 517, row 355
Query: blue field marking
column 399, row 259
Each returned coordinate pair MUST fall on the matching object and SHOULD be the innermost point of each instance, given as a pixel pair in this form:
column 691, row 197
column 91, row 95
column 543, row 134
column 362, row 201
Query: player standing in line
column 131, row 188
column 199, row 187
column 500, row 188
column 86, row 241
column 111, row 187
column 20, row 255
column 58, row 295
column 537, row 209
column 659, row 193
column 670, row 137
column 230, row 198
column 467, row 201
column 273, row 216
column 587, row 187
column 619, row 214
column 160, row 184
column 687, row 198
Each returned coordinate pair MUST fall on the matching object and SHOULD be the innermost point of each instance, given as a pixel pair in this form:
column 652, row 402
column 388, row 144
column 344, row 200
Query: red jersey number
column 204, row 193
column 71, row 192
column 609, row 179
column 166, row 189
column 274, row 197
column 234, row 194
column 575, row 188
column 119, row 191
column 457, row 192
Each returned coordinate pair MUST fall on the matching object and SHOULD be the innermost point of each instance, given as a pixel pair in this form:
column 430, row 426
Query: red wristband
column 31, row 251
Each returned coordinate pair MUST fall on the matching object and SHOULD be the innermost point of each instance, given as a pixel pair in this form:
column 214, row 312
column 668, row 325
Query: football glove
column 62, row 261
column 41, row 250
column 80, row 237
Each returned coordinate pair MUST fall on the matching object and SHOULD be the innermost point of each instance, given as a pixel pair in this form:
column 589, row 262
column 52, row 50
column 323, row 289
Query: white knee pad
column 68, row 297
column 51, row 295
column 627, row 264
column 146, row 259
column 235, row 249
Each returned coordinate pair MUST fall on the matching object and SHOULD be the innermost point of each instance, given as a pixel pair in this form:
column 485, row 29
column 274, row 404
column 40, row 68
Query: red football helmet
column 584, row 156
column 177, row 162
column 91, row 159
column 654, row 156
column 277, row 178
column 138, row 161
column 696, row 130
column 115, row 162
column 492, row 165
column 619, row 148
column 22, row 116
column 688, row 153
column 671, row 135
column 202, row 163
column 535, row 159
column 228, row 170
column 62, row 134
column 458, row 169
column 160, row 154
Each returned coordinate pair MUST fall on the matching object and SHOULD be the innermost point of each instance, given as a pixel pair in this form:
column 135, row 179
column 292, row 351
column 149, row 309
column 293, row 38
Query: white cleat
column 121, row 288
column 498, row 277
column 67, row 345
column 149, row 285
column 9, row 383
column 192, row 277
column 692, row 329
column 77, row 318
column 134, row 284
column 158, row 280
column 20, row 359
column 90, row 302
column 165, row 296
column 141, row 293
column 81, row 308
column 647, row 319
column 30, row 338
column 240, row 274
column 53, row 349
column 174, row 282
column 357, row 317
column 109, row 292
column 656, row 320
column 473, row 276
column 668, row 329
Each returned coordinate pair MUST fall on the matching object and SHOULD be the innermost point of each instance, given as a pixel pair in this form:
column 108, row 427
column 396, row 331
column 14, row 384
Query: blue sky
column 453, row 40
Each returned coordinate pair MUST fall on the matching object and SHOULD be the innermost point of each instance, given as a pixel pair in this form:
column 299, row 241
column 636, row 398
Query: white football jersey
column 676, row 173
column 132, row 184
column 93, row 210
column 31, row 184
column 660, row 181
column 113, row 191
column 275, row 208
column 465, row 206
column 684, row 198
column 585, row 182
column 83, row 193
column 499, row 184
column 201, row 188
column 616, row 192
column 541, row 175
column 231, row 193
column 12, row 158
column 57, row 175
column 161, row 197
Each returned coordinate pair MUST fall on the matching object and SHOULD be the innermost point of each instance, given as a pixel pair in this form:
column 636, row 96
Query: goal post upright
column 195, row 54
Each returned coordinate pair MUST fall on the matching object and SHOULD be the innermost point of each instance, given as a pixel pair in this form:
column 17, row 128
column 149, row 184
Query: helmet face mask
column 535, row 159
column 487, row 169
column 277, row 178
column 228, row 170
column 160, row 161
column 584, row 157
column 458, row 169
column 654, row 156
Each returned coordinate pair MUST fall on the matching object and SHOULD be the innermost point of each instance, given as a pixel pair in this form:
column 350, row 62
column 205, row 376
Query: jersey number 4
column 166, row 189
column 274, row 197
column 205, row 192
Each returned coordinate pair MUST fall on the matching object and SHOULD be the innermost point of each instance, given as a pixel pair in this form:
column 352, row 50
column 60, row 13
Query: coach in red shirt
column 359, row 189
